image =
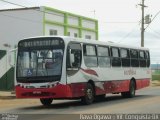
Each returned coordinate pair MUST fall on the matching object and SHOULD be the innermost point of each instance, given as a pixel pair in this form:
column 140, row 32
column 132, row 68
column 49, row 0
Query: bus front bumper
column 60, row 91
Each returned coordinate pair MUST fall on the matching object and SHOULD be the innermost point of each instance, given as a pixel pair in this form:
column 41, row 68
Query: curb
column 7, row 97
column 155, row 83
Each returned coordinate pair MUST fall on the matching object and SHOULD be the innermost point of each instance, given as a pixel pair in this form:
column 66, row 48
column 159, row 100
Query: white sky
column 118, row 19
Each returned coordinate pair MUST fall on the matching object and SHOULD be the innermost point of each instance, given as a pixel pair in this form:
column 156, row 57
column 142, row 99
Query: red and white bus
column 71, row 68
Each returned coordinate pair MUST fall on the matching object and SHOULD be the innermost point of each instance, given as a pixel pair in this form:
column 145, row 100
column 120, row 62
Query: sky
column 119, row 20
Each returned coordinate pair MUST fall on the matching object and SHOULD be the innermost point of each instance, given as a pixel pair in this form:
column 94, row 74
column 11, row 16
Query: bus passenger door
column 74, row 58
column 74, row 75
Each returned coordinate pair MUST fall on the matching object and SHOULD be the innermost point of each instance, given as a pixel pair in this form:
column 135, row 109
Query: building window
column 53, row 32
column 87, row 37
column 75, row 35
column 68, row 34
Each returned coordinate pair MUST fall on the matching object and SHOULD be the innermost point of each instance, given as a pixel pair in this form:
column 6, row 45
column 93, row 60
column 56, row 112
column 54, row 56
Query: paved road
column 146, row 101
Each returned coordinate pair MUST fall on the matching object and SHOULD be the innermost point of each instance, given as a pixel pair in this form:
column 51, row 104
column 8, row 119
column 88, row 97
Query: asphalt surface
column 146, row 101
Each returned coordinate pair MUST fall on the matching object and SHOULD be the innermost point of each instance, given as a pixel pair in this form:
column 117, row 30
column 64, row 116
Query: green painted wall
column 66, row 25
column 7, row 80
column 2, row 53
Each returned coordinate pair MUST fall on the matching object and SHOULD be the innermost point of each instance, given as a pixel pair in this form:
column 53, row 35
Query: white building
column 20, row 23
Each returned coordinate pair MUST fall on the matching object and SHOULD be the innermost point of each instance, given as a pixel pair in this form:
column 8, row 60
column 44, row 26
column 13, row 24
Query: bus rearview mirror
column 11, row 57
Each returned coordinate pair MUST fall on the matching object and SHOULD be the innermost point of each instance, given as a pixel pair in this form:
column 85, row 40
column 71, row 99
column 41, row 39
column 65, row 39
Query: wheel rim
column 132, row 89
column 89, row 94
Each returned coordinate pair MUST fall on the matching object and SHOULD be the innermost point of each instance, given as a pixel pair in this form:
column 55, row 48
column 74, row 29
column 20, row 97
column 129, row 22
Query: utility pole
column 142, row 23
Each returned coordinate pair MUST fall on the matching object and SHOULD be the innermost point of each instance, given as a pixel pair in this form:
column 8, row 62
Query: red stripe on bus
column 90, row 71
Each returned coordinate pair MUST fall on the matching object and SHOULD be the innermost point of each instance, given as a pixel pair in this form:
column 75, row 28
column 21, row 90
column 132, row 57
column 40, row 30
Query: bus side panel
column 117, row 86
column 141, row 83
column 123, row 85
column 100, row 90
column 145, row 82
column 114, row 86
column 77, row 89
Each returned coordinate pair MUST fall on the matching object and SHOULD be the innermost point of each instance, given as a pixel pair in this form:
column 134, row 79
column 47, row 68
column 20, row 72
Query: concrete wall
column 59, row 29
column 14, row 26
column 88, row 24
column 88, row 33
column 54, row 16
column 19, row 24
column 73, row 31
column 73, row 20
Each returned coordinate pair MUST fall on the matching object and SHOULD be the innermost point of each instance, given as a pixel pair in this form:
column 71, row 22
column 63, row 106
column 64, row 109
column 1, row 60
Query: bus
column 61, row 67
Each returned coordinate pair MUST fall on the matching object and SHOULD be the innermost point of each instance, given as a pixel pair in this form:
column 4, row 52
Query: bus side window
column 147, row 58
column 142, row 60
column 116, row 60
column 134, row 58
column 103, row 56
column 125, row 57
column 90, row 56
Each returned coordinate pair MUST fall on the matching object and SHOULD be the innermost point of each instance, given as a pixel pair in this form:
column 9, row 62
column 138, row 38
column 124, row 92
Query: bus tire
column 131, row 92
column 88, row 98
column 46, row 101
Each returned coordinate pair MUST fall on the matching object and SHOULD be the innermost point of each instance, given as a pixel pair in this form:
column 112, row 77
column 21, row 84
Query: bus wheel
column 46, row 101
column 131, row 92
column 89, row 95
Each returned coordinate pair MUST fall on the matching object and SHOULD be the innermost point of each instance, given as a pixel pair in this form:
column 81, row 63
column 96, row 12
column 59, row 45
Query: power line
column 127, row 35
column 13, row 3
column 155, row 32
column 119, row 22
column 115, row 22
column 20, row 18
column 153, row 19
column 28, row 7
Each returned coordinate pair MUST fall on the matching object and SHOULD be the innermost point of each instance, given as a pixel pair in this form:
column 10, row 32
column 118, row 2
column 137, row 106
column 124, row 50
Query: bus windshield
column 39, row 62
